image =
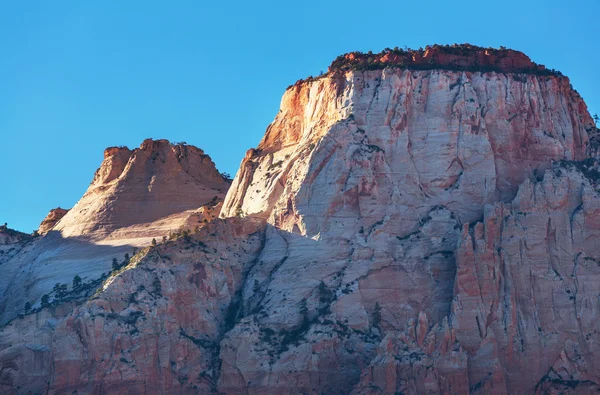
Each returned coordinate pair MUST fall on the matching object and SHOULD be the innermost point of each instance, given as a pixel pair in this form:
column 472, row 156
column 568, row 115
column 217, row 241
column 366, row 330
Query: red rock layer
column 455, row 57
column 51, row 220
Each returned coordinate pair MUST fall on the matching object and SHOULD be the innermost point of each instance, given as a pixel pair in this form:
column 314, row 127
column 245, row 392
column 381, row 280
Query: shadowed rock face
column 11, row 242
column 395, row 231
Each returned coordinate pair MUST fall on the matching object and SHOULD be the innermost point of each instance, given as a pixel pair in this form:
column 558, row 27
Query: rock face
column 441, row 134
column 430, row 229
column 136, row 196
column 51, row 220
column 524, row 304
column 134, row 188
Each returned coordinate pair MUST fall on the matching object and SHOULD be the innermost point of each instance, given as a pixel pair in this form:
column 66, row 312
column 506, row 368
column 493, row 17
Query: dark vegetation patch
column 463, row 57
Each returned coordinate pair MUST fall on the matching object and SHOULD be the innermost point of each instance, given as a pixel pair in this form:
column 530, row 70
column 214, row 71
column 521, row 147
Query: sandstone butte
column 412, row 222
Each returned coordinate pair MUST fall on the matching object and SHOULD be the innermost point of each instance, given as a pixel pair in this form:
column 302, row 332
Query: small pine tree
column 126, row 257
column 376, row 317
column 325, row 298
column 596, row 119
column 157, row 285
column 115, row 264
column 45, row 300
column 27, row 306
column 324, row 293
column 304, row 314
column 57, row 290
column 303, row 307
column 76, row 282
column 153, row 242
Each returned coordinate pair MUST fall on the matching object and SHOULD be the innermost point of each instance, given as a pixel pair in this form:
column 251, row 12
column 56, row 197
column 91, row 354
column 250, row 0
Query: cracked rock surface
column 395, row 231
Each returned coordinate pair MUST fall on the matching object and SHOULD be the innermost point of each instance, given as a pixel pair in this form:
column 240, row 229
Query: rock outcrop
column 463, row 57
column 422, row 226
column 132, row 189
column 136, row 196
column 51, row 220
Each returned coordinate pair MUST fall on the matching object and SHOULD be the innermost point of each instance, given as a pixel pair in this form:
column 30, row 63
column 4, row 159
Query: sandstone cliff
column 382, row 169
column 134, row 188
column 405, row 226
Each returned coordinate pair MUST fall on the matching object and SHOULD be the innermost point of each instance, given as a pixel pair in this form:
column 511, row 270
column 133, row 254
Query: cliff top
column 5, row 231
column 457, row 57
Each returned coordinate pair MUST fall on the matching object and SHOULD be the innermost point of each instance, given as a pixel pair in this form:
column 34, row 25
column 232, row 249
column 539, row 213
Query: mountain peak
column 159, row 179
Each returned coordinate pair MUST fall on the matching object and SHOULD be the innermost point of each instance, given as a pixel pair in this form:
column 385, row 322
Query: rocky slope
column 419, row 222
column 136, row 196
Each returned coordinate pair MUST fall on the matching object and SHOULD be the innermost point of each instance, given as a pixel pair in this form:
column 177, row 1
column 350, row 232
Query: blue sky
column 76, row 77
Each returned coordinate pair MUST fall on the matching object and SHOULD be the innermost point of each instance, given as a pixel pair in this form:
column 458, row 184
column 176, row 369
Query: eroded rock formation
column 51, row 220
column 397, row 230
column 133, row 189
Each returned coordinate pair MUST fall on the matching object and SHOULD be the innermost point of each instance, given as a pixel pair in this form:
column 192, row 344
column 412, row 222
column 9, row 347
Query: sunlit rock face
column 404, row 141
column 51, row 220
column 424, row 230
column 134, row 189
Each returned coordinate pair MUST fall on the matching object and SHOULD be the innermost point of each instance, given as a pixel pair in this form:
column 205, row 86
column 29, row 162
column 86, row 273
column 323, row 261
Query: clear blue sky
column 78, row 76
